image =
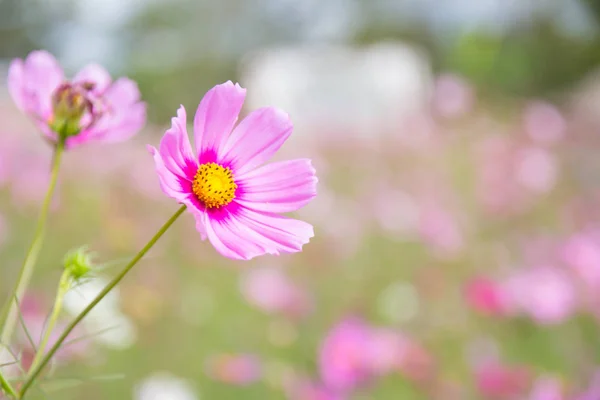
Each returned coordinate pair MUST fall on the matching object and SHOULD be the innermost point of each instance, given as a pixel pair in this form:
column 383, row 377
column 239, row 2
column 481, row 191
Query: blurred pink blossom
column 510, row 176
column 354, row 352
column 342, row 358
column 440, row 230
column 544, row 123
column 234, row 369
column 498, row 381
column 536, row 169
column 547, row 388
column 581, row 252
column 270, row 290
column 544, row 293
column 453, row 97
column 486, row 296
column 110, row 111
column 385, row 351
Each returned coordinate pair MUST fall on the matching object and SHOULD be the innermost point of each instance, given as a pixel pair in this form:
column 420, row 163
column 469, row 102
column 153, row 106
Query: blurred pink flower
column 544, row 123
column 498, row 381
column 510, row 177
column 343, row 359
column 353, row 352
column 440, row 230
column 453, row 97
column 234, row 369
column 104, row 111
column 547, row 388
column 544, row 293
column 236, row 201
column 270, row 290
column 486, row 296
column 581, row 252
column 385, row 351
column 536, row 169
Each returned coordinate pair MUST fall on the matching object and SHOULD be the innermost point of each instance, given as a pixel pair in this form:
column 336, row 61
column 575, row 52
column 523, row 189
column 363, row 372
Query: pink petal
column 231, row 238
column 216, row 115
column 96, row 74
column 175, row 147
column 256, row 139
column 16, row 77
column 278, row 187
column 173, row 185
column 42, row 75
column 122, row 92
column 243, row 234
column 124, row 117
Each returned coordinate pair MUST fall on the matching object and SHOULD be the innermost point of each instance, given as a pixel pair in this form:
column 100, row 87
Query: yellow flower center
column 214, row 185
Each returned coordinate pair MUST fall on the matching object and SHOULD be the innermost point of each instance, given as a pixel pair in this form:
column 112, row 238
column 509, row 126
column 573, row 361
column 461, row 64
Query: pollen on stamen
column 214, row 185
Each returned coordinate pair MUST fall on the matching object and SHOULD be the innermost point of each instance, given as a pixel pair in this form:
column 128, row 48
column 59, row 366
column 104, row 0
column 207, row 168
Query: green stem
column 63, row 288
column 7, row 388
column 9, row 317
column 33, row 373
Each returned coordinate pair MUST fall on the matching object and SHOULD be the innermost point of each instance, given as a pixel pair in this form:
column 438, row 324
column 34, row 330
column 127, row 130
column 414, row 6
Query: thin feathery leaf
column 24, row 325
column 45, row 326
column 55, row 384
column 89, row 336
column 15, row 357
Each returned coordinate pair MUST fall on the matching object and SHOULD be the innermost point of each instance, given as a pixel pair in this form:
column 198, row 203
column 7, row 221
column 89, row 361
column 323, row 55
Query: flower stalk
column 63, row 287
column 35, row 371
column 9, row 316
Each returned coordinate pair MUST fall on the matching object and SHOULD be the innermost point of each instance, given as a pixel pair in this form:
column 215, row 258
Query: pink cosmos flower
column 581, row 252
column 89, row 107
column 452, row 97
column 497, row 381
column 343, row 357
column 235, row 200
column 486, row 296
column 544, row 293
column 547, row 388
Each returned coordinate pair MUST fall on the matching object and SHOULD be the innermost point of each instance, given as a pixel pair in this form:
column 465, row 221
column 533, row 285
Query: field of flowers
column 456, row 255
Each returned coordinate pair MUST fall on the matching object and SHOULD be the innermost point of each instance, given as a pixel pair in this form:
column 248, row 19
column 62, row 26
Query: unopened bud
column 69, row 104
column 78, row 263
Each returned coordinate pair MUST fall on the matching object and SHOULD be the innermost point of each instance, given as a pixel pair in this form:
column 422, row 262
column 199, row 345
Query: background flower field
column 457, row 229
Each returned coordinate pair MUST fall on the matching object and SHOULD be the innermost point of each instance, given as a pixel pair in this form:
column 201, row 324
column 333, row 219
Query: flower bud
column 78, row 263
column 70, row 104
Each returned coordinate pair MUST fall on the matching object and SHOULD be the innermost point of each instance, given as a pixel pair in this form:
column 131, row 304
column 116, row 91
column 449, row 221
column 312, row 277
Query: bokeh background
column 457, row 246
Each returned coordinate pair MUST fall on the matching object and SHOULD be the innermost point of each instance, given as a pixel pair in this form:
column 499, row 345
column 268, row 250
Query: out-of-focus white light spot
column 164, row 386
column 399, row 302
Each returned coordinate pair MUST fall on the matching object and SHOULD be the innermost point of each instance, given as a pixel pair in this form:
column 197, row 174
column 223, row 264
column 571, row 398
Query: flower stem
column 63, row 288
column 9, row 316
column 34, row 372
